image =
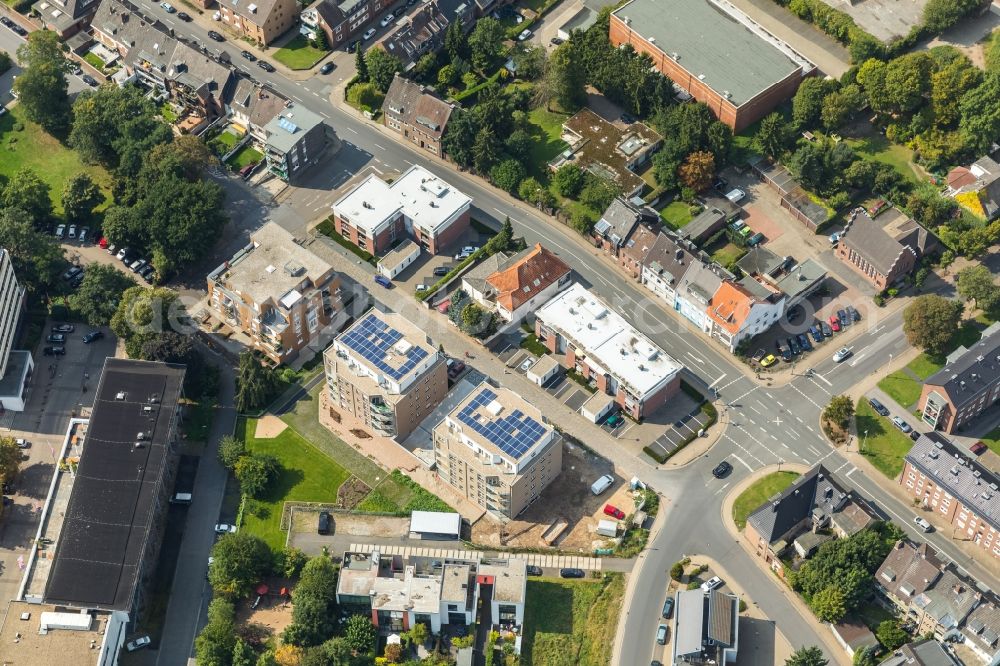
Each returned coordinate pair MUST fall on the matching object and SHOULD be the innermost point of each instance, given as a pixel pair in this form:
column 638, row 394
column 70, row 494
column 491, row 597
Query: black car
column 825, row 327
column 54, row 351
column 915, row 435
column 354, row 46
column 722, row 469
column 555, row 41
column 804, row 342
column 668, row 608
column 265, row 65
column 93, row 335
column 249, row 56
column 878, row 407
column 56, row 337
column 89, row 80
column 6, row 21
column 215, row 37
column 324, row 522
column 533, row 570
column 441, row 271
column 794, row 344
column 184, row 16
column 853, row 313
column 63, row 328
column 72, row 273
column 571, row 572
column 842, row 316
column 326, row 68
column 77, row 281
column 19, row 30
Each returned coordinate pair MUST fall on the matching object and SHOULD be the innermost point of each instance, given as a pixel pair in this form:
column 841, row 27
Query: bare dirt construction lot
column 567, row 499
column 387, row 527
column 274, row 613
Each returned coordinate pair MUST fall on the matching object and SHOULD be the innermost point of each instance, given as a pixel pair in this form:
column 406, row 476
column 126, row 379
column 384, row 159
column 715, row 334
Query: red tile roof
column 730, row 306
column 522, row 280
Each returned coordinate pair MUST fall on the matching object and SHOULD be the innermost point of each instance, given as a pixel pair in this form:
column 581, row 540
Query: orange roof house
column 737, row 313
column 521, row 283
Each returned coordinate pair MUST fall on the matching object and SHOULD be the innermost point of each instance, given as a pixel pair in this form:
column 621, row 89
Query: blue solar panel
column 513, row 434
column 374, row 340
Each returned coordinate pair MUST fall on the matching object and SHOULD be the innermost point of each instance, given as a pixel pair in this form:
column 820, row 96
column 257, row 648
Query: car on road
column 879, row 408
column 571, row 572
column 387, row 19
column 722, row 469
column 249, row 56
column 841, row 354
column 525, row 35
column 93, row 335
column 57, row 338
column 184, row 16
column 326, row 68
column 661, row 634
column 63, row 328
column 712, row 583
column 141, row 642
column 265, row 65
column 825, row 328
column 54, row 351
column 22, row 443
column 89, row 80
column 6, row 21
column 323, row 526
column 853, row 313
column 834, row 323
column 441, row 271
column 369, row 33
column 613, row 511
column 533, row 570
column 668, row 608
column 978, row 448
column 215, row 37
column 768, row 361
column 168, row 8
column 901, row 424
column 19, row 30
column 922, row 524
column 225, row 528
column 383, row 281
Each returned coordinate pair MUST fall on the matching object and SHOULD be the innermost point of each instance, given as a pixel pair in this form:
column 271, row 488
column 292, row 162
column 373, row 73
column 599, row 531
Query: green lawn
column 571, row 623
column 34, row 148
column 728, row 254
column 871, row 614
column 902, row 388
column 924, row 366
column 884, row 445
column 992, row 440
column 968, row 334
column 96, row 62
column 167, row 112
column 758, row 493
column 546, row 131
column 297, row 54
column 246, row 155
column 880, row 149
column 676, row 214
column 223, row 142
column 307, row 475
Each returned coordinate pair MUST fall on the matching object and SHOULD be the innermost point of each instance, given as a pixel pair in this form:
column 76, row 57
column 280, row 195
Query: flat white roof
column 610, row 344
column 436, row 522
column 427, row 201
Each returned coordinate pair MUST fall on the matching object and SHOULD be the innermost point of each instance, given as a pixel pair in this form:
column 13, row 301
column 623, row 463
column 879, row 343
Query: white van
column 181, row 498
column 602, row 484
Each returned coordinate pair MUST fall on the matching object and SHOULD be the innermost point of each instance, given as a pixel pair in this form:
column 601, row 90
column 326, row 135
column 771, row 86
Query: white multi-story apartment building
column 15, row 365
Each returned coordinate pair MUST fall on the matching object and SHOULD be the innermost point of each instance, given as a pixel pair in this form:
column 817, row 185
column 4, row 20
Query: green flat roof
column 716, row 41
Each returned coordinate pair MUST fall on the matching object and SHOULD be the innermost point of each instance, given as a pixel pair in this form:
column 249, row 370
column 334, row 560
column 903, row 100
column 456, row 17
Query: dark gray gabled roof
column 970, row 371
column 814, row 493
column 721, row 618
column 666, row 255
column 761, row 261
column 705, row 224
column 866, row 237
column 618, row 221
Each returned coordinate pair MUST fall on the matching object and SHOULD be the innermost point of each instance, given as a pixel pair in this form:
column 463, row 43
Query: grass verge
column 298, row 54
column 758, row 493
column 924, row 366
column 992, row 440
column 571, row 623
column 327, row 228
column 884, row 445
column 902, row 388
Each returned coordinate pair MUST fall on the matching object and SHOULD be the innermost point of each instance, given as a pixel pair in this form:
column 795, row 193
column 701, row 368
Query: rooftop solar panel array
column 374, row 340
column 513, row 434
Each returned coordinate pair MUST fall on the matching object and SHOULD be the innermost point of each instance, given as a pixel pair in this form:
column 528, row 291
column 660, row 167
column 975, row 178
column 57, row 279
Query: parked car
column 137, row 265
column 736, row 195
column 615, row 420
column 369, row 33
column 722, row 469
column 804, row 342
column 265, row 65
column 225, row 528
column 383, row 281
column 82, row 236
column 853, row 313
column 784, row 350
column 613, row 511
column 71, row 232
column 147, row 272
column 387, row 19
column 845, row 321
column 455, row 367
column 555, row 41
column 60, row 231
column 661, row 634
column 216, row 37
column 6, row 21
column 141, row 642
column 326, row 68
column 922, row 523
column 323, row 527
column 533, row 570
column 122, row 252
column 794, row 344
column 879, row 408
column 755, row 240
column 441, row 271
column 470, row 249
column 914, row 435
column 71, row 273
column 525, row 35
column 901, row 424
column 22, row 443
column 54, row 351
column 835, row 237
column 571, row 572
column 978, row 448
column 712, row 583
column 816, row 333
column 841, row 354
column 602, row 484
column 249, row 56
column 93, row 335
column 168, row 8
column 56, row 338
column 89, row 80
column 184, row 17
column 834, row 323
column 825, row 328
column 668, row 608
column 63, row 328
column 768, row 361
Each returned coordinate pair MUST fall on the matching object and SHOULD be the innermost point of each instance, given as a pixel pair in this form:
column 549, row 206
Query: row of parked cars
column 790, row 347
column 57, row 338
column 141, row 267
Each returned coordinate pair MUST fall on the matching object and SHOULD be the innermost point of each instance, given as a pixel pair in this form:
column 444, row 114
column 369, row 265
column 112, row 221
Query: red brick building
column 870, row 251
column 964, row 388
column 716, row 53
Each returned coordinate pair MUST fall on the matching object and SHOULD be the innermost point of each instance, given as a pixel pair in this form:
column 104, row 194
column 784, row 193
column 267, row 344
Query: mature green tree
column 313, row 604
column 107, row 122
column 143, row 314
column 564, row 81
column 665, row 171
column 866, row 656
column 839, row 410
column 382, row 67
column 426, row 65
column 898, row 86
column 948, row 85
column 807, row 104
column 931, row 321
column 772, row 137
column 460, row 137
column 41, row 86
column 507, row 175
column 255, row 384
column 598, row 193
column 454, row 41
column 5, row 61
column 216, row 643
column 975, row 283
column 29, row 193
column 891, row 635
column 231, row 449
column 697, row 170
column 10, row 459
column 528, row 189
column 243, row 653
column 486, row 44
column 807, row 656
column 939, row 15
column 568, row 180
column 530, row 61
column 80, row 196
column 98, row 296
column 35, row 255
column 486, row 150
column 840, row 106
column 361, row 65
column 360, row 633
column 289, row 562
column 239, row 561
column 828, row 604
column 171, row 347
column 808, row 164
column 255, row 472
column 980, row 113
column 519, row 144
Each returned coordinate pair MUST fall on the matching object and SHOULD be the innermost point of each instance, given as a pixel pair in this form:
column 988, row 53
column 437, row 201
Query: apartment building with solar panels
column 385, row 372
column 497, row 450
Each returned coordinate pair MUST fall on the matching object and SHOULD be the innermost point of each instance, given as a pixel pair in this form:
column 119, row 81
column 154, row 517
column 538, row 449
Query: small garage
column 598, row 406
column 435, row 525
column 543, row 370
column 393, row 263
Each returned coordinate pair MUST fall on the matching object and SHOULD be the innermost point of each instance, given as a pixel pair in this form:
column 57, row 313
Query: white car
column 387, row 19
column 469, row 249
column 525, row 35
column 72, row 231
column 141, row 642
column 711, row 584
column 922, row 524
column 22, row 443
column 901, row 424
column 369, row 33
column 224, row 528
column 841, row 354
column 167, row 7
column 736, row 195
column 60, row 231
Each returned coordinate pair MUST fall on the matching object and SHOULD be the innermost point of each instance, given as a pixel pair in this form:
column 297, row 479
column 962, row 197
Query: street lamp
column 861, row 449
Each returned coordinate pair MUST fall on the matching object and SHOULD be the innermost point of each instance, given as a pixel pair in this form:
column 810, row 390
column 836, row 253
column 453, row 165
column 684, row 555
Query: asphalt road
column 9, row 42
column 763, row 426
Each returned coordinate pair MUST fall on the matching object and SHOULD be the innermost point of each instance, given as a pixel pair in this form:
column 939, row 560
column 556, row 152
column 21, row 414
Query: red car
column 834, row 323
column 613, row 511
column 103, row 243
column 978, row 448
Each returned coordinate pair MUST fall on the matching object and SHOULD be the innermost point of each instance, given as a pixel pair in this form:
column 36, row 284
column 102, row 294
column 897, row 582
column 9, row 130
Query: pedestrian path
column 537, row 559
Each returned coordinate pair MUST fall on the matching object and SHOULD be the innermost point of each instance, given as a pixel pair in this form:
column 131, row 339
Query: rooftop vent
column 120, row 395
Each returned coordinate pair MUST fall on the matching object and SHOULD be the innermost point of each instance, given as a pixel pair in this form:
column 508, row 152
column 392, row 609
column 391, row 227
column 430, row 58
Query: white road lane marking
column 378, row 146
column 745, row 462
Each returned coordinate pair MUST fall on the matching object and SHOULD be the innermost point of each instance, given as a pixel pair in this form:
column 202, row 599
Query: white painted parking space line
column 755, row 410
column 721, row 489
column 810, row 429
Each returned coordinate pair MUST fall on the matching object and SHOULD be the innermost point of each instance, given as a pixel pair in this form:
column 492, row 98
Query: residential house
column 977, row 187
column 952, row 484
column 715, row 53
column 339, row 21
column 607, row 151
column 296, row 139
column 65, row 17
column 374, row 214
column 261, row 21
column 814, row 502
column 944, row 606
column 522, row 283
column 595, row 341
column 739, row 311
column 695, row 290
column 386, row 372
column 422, row 30
column 965, row 387
column 277, row 295
column 252, row 107
column 800, row 282
column 926, row 652
column 706, row 628
column 618, row 223
column 16, row 365
column 981, row 631
column 908, row 570
column 854, row 636
column 874, row 254
column 416, row 113
column 497, row 450
column 665, row 263
column 636, row 247
column 761, row 262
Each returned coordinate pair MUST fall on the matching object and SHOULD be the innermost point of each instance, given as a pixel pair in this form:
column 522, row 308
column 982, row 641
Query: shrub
column 365, row 96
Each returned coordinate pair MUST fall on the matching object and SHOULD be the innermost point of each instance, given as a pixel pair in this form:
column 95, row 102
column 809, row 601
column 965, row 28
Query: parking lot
column 673, row 438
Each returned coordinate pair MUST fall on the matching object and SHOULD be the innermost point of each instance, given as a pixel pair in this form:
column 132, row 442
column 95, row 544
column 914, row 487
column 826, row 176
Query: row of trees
column 255, row 471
